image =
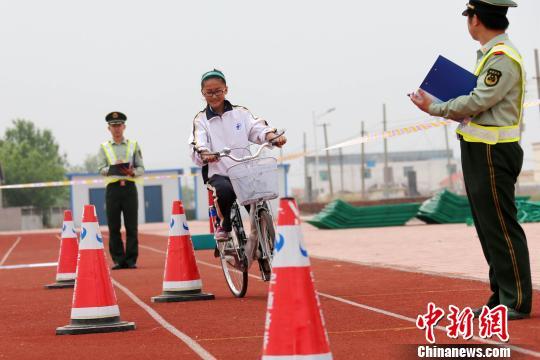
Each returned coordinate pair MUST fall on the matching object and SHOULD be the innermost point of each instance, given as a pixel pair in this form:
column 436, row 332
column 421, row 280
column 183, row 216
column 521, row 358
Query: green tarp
column 341, row 215
column 446, row 207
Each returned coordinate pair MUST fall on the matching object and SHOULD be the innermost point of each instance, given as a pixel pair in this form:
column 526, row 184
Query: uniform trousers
column 123, row 199
column 490, row 173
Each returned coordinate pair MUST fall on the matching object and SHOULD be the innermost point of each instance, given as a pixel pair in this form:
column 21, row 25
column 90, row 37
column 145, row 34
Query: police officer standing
column 121, row 194
column 491, row 157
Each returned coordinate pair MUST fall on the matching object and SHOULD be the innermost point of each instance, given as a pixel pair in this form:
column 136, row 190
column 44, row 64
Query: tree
column 90, row 165
column 28, row 155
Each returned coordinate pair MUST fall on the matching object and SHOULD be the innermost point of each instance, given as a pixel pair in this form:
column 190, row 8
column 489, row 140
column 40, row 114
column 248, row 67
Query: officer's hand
column 421, row 99
column 118, row 162
column 128, row 172
column 207, row 157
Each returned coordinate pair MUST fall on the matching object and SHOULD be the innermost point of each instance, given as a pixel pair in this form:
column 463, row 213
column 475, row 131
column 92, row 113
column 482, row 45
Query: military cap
column 495, row 7
column 116, row 117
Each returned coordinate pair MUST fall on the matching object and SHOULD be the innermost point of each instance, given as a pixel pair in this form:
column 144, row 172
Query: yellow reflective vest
column 472, row 132
column 112, row 158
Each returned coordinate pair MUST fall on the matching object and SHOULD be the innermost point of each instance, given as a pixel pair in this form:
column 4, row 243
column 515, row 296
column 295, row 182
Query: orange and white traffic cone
column 66, row 271
column 294, row 326
column 94, row 308
column 181, row 280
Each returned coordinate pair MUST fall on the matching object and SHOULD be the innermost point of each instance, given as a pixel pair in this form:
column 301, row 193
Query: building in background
column 410, row 173
column 156, row 194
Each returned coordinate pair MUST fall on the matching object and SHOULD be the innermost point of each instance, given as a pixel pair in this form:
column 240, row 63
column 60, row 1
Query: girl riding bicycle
column 219, row 125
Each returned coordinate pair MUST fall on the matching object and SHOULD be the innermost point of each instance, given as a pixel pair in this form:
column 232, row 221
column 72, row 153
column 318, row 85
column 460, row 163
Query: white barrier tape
column 407, row 130
column 81, row 182
column 359, row 140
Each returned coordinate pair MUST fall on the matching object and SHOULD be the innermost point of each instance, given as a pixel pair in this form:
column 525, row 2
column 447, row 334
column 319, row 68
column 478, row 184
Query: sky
column 65, row 64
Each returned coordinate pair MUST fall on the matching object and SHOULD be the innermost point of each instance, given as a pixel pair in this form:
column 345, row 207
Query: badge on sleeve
column 492, row 77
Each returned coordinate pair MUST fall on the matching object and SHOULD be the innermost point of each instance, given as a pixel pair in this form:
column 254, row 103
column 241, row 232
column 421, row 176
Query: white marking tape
column 192, row 344
column 9, row 251
column 383, row 312
column 82, row 182
column 26, row 266
column 406, row 130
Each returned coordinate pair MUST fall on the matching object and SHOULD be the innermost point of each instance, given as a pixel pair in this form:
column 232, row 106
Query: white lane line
column 441, row 328
column 193, row 345
column 26, row 266
column 383, row 312
column 10, row 250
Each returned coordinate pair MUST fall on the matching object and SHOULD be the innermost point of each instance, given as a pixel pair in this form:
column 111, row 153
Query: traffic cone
column 94, row 308
column 294, row 326
column 181, row 280
column 66, row 271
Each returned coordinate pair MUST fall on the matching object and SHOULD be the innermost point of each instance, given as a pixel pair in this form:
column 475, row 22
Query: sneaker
column 220, row 234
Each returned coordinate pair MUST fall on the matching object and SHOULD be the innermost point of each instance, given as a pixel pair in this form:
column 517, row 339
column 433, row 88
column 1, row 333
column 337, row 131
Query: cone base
column 61, row 285
column 96, row 328
column 170, row 296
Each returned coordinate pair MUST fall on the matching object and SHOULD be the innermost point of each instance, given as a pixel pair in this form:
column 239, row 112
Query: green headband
column 214, row 72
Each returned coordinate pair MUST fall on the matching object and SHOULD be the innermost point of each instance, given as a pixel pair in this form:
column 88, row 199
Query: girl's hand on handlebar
column 208, row 157
column 276, row 141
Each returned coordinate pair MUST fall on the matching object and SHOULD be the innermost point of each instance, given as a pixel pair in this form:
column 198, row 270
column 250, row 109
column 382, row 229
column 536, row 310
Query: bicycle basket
column 255, row 180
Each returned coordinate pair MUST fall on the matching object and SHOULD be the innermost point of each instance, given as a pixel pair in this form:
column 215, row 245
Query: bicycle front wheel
column 268, row 234
column 234, row 265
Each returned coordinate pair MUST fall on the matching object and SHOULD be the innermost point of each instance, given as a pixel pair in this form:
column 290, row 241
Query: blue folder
column 447, row 80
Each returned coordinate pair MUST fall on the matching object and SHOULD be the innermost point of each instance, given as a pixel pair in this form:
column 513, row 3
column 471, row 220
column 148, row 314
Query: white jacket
column 236, row 128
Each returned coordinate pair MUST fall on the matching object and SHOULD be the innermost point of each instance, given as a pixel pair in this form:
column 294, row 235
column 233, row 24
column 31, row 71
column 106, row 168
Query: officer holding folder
column 120, row 161
column 491, row 157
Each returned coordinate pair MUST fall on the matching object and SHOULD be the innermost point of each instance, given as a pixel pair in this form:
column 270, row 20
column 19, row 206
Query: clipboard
column 447, row 80
column 118, row 169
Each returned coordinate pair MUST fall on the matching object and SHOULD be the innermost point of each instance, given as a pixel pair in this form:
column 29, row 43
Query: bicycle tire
column 236, row 275
column 268, row 232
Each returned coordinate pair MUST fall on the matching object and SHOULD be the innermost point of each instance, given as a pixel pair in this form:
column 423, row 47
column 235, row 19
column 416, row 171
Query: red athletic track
column 228, row 328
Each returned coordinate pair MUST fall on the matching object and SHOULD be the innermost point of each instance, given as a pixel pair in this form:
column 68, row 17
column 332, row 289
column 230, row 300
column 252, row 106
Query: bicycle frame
column 264, row 241
column 238, row 224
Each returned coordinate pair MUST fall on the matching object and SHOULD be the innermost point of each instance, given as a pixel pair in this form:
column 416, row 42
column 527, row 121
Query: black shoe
column 516, row 315
column 216, row 252
column 477, row 312
column 117, row 267
column 131, row 266
column 511, row 314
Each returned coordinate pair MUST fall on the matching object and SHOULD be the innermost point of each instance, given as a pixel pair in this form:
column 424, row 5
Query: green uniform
column 121, row 197
column 492, row 159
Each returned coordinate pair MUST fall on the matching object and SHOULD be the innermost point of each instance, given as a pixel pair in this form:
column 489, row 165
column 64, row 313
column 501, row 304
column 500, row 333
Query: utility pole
column 325, row 127
column 341, row 178
column 448, row 160
column 537, row 61
column 316, row 157
column 307, row 182
column 363, row 167
column 386, row 173
column 315, row 118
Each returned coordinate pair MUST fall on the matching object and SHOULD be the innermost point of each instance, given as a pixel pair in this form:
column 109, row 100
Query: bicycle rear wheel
column 233, row 259
column 268, row 234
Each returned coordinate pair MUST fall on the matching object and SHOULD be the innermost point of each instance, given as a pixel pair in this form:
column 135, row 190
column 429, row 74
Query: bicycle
column 255, row 182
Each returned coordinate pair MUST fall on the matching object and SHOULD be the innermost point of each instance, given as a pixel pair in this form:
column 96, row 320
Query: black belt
column 121, row 183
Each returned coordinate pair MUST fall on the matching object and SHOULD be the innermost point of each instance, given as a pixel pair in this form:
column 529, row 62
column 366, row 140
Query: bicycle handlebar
column 226, row 152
